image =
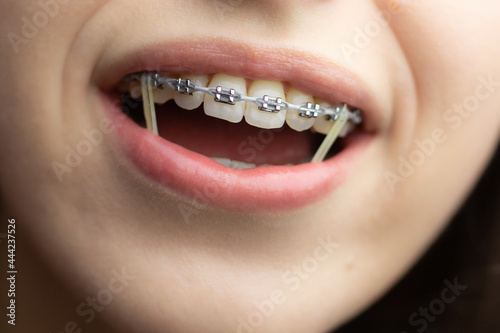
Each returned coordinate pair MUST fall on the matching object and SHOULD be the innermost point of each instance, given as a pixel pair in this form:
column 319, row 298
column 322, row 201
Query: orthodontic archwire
column 341, row 115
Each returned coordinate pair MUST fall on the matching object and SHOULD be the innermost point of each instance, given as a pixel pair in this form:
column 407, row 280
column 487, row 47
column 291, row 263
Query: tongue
column 213, row 137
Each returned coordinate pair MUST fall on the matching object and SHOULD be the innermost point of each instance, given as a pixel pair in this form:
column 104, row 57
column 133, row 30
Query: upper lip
column 313, row 75
column 269, row 188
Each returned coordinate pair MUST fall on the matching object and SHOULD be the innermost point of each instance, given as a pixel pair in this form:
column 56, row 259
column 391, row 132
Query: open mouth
column 237, row 122
column 217, row 125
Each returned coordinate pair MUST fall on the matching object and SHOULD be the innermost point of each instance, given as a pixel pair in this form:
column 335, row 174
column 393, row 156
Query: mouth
column 234, row 130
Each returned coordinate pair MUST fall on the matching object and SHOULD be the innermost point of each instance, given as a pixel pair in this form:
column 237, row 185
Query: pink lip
column 204, row 182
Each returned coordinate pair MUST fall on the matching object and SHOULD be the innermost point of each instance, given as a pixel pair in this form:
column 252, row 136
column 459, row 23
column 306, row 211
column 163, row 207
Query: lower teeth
column 237, row 164
column 234, row 164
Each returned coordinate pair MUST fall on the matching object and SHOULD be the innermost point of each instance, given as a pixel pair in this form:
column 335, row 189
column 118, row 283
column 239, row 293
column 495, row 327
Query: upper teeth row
column 267, row 104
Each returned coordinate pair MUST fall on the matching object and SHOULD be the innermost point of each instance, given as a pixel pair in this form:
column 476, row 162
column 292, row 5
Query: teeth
column 262, row 119
column 223, row 161
column 348, row 128
column 162, row 96
column 191, row 102
column 293, row 119
column 321, row 125
column 135, row 89
column 241, row 165
column 234, row 164
column 231, row 113
column 262, row 106
column 259, row 89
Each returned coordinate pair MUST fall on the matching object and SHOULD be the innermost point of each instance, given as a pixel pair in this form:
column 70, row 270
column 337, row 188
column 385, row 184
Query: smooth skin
column 434, row 70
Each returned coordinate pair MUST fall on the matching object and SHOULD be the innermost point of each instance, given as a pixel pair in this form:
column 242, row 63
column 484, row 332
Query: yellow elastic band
column 149, row 103
column 329, row 140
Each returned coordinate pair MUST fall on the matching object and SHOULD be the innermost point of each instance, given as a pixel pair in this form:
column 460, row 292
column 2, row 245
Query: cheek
column 449, row 45
column 452, row 50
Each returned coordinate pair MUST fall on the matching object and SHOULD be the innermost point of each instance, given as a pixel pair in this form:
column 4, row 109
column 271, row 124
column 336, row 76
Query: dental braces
column 341, row 115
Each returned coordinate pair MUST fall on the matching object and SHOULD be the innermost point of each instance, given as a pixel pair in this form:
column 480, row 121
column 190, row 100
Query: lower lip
column 203, row 182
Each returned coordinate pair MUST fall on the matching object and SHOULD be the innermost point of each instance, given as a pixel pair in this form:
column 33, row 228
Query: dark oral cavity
column 217, row 138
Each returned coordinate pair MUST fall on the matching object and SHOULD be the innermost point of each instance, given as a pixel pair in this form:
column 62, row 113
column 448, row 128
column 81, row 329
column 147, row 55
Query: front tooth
column 263, row 119
column 293, row 119
column 191, row 102
column 321, row 125
column 161, row 96
column 231, row 113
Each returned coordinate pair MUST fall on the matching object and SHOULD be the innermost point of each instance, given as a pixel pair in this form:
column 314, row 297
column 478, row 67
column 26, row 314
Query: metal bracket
column 184, row 87
column 226, row 96
column 269, row 104
column 309, row 110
